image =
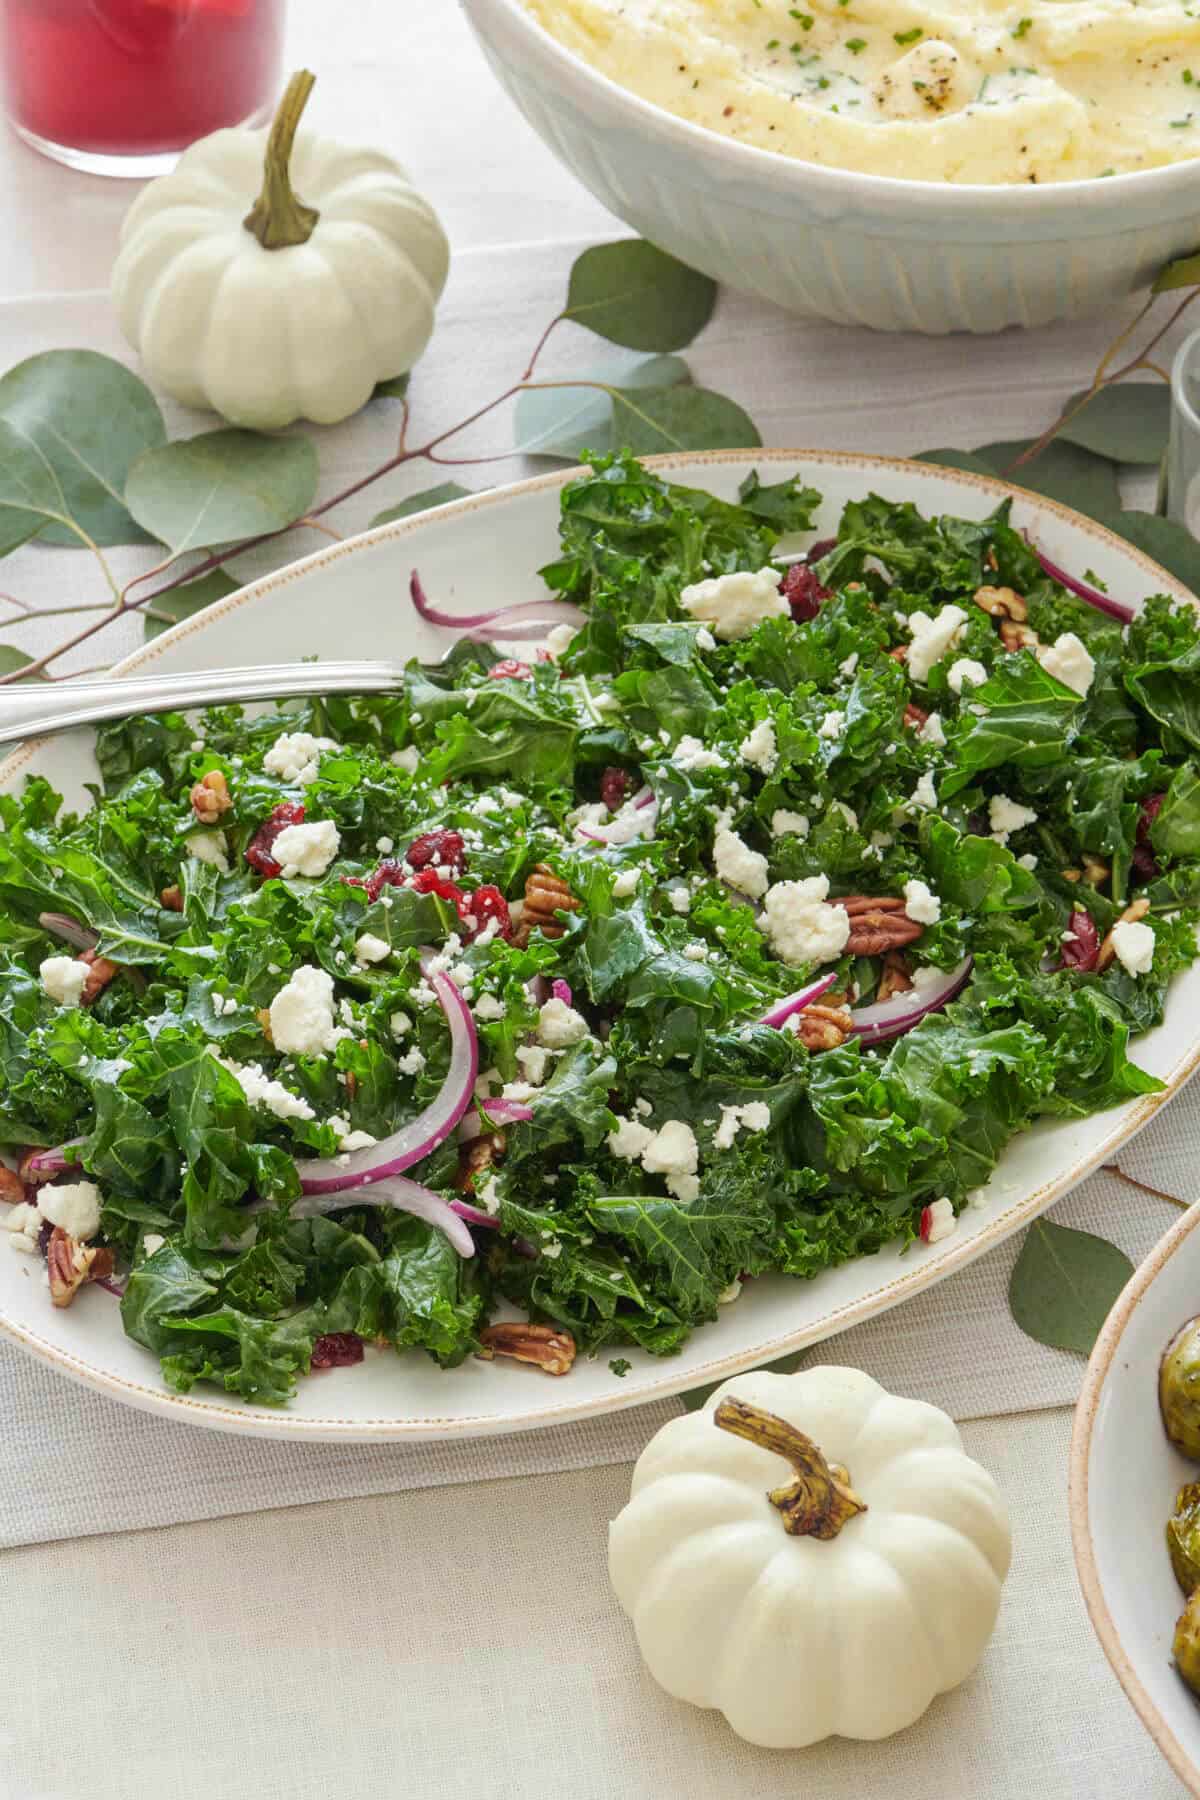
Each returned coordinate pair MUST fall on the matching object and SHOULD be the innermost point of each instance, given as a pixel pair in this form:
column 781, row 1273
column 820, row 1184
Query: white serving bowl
column 1125, row 1475
column 858, row 249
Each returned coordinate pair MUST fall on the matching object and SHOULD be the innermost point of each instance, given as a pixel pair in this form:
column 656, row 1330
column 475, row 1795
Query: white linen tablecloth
column 463, row 1638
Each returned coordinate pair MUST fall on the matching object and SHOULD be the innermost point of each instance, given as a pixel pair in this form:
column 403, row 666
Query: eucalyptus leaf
column 1182, row 272
column 423, row 502
column 221, row 486
column 12, row 659
column 1063, row 1285
column 635, row 294
column 652, row 420
column 956, row 459
column 1063, row 472
column 568, row 421
column 185, row 601
column 30, row 497
column 1170, row 544
column 1128, row 422
column 86, row 418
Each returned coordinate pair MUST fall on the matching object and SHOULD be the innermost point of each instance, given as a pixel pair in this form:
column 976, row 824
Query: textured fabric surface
column 468, row 1644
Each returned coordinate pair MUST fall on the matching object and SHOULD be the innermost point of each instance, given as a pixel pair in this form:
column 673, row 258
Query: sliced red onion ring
column 561, row 990
column 403, row 1196
column 507, row 1112
column 1093, row 596
column 794, row 1003
column 890, row 1018
column 43, row 1163
column 475, row 1215
column 531, row 619
column 69, row 930
column 414, row 1141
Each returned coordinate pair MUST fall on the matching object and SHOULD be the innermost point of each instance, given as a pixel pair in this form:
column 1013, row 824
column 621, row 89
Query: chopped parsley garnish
column 1021, row 27
column 909, row 37
column 620, row 1365
column 856, row 45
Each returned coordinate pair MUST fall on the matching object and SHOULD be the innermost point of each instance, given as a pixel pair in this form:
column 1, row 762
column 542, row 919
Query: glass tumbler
column 120, row 87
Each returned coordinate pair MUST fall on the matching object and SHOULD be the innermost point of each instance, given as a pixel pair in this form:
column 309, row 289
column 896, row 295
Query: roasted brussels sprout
column 1179, row 1389
column 1187, row 1643
column 1183, row 1537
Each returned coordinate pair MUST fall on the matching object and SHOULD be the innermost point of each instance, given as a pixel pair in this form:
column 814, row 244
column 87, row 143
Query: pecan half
column 545, row 894
column 894, row 977
column 70, row 1264
column 100, row 972
column 475, row 1157
column 1017, row 637
column 171, row 899
column 1108, row 949
column 823, row 1027
column 915, row 715
column 546, row 1346
column 210, row 797
column 1002, row 603
column 12, row 1188
column 877, row 924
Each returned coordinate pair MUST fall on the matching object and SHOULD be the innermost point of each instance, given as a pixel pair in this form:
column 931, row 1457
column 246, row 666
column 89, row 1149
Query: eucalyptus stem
column 279, row 219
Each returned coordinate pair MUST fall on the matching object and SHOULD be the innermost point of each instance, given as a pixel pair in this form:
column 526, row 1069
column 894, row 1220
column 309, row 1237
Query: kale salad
column 536, row 1008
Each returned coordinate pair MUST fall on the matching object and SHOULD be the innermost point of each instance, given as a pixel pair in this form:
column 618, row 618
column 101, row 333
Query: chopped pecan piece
column 915, row 715
column 210, row 797
column 475, row 1156
column 821, row 1027
column 171, row 899
column 1095, row 870
column 899, row 654
column 1108, row 949
column 70, row 1264
column 12, row 1188
column 1002, row 603
column 877, row 924
column 545, row 1345
column 263, row 1015
column 1017, row 637
column 895, row 977
column 100, row 972
column 1072, row 874
column 545, row 894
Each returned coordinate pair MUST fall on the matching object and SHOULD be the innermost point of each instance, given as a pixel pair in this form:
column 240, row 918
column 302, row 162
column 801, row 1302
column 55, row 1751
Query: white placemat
column 75, row 1463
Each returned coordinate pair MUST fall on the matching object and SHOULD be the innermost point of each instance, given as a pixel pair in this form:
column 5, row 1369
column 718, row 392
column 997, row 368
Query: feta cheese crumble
column 559, row 1025
column 739, row 866
column 938, row 1221
column 24, row 1223
column 783, row 821
column 371, row 949
column 629, row 1139
column 626, row 882
column 759, row 750
column 920, row 904
column 734, row 604
column 1134, row 942
column 261, row 1090
column 1006, row 816
column 306, row 849
column 296, row 755
column 301, row 1014
column 690, row 755
column 924, row 795
column 832, row 725
column 932, row 638
column 486, row 1007
column 408, row 759
column 966, row 672
column 674, row 1154
column 1069, row 661
column 801, row 926
column 208, row 847
column 560, row 638
column 932, row 732
column 76, row 1207
column 63, row 978
column 754, row 1116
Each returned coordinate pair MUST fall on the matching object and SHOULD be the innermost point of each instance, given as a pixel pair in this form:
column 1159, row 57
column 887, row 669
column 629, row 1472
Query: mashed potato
column 977, row 90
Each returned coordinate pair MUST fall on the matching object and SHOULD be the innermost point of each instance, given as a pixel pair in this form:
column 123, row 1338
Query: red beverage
column 121, row 86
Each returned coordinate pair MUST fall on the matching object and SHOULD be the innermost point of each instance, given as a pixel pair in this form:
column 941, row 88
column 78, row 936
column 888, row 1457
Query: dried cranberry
column 337, row 1350
column 803, row 592
column 258, row 850
column 614, row 786
column 820, row 549
column 446, row 848
column 478, row 910
column 509, row 670
column 428, row 881
column 1082, row 951
column 1145, row 863
column 390, row 873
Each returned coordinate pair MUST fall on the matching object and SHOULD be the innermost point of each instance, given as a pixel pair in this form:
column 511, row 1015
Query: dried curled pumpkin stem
column 820, row 1500
column 279, row 218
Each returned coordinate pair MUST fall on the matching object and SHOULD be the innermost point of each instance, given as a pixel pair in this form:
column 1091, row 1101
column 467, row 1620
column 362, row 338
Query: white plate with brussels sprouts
column 1134, row 1502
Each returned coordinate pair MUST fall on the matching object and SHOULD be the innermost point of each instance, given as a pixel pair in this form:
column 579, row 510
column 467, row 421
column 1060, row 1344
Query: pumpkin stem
column 279, row 218
column 820, row 1500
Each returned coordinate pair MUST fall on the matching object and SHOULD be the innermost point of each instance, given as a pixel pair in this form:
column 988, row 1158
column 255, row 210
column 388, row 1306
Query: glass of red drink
column 120, row 87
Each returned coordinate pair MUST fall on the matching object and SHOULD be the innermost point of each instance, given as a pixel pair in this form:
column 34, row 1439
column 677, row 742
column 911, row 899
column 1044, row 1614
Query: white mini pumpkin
column 761, row 1582
column 279, row 309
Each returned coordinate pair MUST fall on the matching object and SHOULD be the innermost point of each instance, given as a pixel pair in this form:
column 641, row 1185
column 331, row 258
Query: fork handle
column 33, row 711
